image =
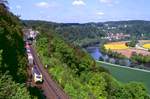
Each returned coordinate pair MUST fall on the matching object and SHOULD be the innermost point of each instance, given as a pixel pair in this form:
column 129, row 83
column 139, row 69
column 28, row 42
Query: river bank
column 98, row 55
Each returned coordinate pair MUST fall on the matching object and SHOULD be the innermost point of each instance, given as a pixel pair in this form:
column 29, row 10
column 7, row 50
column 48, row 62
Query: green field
column 125, row 75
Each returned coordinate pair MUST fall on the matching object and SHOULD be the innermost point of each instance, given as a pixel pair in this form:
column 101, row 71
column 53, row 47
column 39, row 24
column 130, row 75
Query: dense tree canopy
column 138, row 58
column 11, row 42
column 12, row 56
column 12, row 90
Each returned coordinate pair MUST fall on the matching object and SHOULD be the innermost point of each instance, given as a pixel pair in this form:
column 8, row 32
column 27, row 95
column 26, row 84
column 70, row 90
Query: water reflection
column 94, row 52
column 97, row 55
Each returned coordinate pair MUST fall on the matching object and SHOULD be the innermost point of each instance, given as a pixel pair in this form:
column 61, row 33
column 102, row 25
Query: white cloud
column 106, row 1
column 42, row 4
column 110, row 2
column 78, row 2
column 100, row 13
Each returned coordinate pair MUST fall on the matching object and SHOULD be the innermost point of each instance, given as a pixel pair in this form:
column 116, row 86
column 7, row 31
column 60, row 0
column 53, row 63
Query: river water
column 96, row 54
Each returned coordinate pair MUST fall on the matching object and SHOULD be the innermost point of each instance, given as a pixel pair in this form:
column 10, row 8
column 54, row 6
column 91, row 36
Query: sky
column 81, row 11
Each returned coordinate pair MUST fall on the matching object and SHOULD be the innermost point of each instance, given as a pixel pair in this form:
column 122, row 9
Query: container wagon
column 30, row 59
column 27, row 45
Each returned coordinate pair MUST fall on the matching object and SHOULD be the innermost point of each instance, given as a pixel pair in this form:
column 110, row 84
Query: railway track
column 50, row 88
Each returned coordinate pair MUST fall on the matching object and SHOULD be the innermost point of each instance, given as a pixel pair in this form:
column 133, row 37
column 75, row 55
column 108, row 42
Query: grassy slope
column 127, row 74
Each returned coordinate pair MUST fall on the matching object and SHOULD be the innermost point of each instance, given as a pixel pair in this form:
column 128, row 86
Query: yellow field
column 147, row 46
column 115, row 46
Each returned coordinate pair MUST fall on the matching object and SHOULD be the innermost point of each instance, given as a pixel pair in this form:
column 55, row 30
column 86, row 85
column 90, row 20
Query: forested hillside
column 77, row 72
column 81, row 34
column 12, row 57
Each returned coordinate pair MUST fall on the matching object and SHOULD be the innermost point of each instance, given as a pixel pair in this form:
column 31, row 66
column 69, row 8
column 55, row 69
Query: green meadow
column 126, row 74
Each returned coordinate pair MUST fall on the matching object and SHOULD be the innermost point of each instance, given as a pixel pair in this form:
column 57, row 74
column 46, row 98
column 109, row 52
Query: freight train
column 36, row 75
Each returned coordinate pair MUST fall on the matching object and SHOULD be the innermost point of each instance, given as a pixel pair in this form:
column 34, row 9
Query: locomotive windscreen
column 35, row 70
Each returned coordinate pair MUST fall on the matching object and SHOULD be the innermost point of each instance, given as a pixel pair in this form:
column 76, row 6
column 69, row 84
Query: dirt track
column 51, row 88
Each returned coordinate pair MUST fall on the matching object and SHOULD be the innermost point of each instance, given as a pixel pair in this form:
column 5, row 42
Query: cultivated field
column 121, row 48
column 128, row 52
column 116, row 46
column 125, row 74
column 147, row 46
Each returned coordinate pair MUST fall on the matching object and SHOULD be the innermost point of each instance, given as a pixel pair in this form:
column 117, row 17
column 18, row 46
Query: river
column 96, row 54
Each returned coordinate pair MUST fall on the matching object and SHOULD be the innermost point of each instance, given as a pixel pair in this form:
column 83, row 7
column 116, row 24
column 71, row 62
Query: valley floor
column 127, row 74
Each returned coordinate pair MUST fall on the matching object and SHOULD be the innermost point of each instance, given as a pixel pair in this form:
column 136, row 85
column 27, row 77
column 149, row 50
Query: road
column 123, row 66
column 51, row 89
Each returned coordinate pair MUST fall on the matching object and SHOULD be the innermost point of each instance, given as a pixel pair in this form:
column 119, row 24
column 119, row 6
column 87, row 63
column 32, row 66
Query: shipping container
column 30, row 58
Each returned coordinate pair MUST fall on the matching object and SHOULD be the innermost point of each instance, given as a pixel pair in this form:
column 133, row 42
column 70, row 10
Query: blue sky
column 81, row 11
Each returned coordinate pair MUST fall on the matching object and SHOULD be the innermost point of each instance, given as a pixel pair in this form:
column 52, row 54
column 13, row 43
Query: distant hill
column 82, row 33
